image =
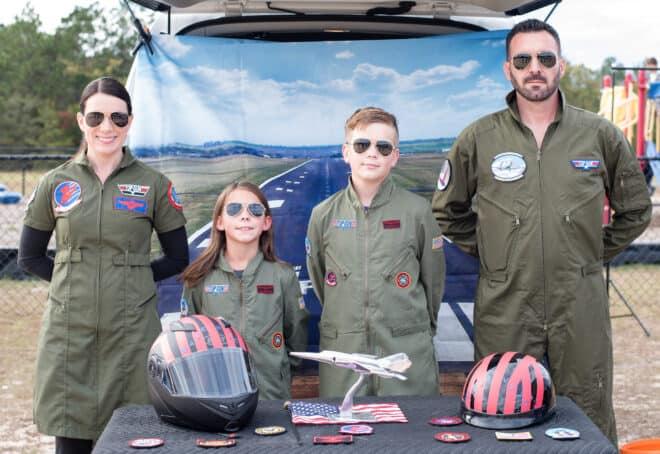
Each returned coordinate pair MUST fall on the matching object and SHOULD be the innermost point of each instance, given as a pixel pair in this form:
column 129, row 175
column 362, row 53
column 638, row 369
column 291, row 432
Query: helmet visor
column 222, row 372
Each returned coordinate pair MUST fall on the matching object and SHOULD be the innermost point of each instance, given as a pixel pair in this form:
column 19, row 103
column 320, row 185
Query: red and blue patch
column 585, row 164
column 130, row 204
column 173, row 198
column 67, row 195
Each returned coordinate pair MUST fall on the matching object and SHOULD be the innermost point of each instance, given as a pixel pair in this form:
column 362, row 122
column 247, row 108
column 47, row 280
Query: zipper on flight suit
column 366, row 281
column 240, row 299
column 545, row 309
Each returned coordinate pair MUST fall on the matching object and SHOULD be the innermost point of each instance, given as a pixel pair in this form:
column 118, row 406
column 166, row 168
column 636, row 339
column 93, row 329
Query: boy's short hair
column 367, row 115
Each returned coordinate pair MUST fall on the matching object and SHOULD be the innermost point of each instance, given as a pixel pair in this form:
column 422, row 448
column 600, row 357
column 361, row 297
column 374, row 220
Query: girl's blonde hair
column 202, row 265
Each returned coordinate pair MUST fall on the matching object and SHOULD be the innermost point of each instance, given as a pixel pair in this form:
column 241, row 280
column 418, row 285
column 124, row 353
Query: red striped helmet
column 200, row 375
column 507, row 391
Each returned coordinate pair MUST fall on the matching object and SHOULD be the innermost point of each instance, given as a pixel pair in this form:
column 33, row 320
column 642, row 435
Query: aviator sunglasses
column 93, row 119
column 547, row 59
column 255, row 209
column 383, row 146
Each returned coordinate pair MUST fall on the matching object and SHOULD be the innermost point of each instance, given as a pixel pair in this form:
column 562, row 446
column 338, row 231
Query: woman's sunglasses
column 255, row 209
column 383, row 146
column 93, row 119
column 547, row 59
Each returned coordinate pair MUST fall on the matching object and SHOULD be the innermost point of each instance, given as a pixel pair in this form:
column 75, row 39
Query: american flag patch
column 322, row 413
column 436, row 242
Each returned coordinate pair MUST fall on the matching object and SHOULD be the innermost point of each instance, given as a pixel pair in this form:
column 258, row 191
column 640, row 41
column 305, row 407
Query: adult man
column 540, row 171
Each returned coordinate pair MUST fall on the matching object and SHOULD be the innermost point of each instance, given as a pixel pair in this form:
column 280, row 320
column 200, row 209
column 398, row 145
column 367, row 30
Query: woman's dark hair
column 107, row 86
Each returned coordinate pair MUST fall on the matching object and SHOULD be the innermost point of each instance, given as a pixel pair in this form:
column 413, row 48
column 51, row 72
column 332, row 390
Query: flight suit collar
column 381, row 198
column 251, row 268
column 126, row 160
column 513, row 106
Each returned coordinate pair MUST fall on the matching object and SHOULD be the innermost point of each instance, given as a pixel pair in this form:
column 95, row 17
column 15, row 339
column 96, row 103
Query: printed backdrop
column 209, row 111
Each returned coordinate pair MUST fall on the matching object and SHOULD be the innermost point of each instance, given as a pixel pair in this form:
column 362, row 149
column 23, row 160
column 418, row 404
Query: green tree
column 581, row 86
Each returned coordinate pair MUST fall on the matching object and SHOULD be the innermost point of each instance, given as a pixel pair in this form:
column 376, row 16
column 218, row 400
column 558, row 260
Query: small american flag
column 320, row 413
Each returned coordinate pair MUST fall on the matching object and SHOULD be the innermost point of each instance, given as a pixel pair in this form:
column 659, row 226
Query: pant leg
column 65, row 445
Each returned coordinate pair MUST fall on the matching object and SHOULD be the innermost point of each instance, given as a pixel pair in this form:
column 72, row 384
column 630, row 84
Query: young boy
column 375, row 258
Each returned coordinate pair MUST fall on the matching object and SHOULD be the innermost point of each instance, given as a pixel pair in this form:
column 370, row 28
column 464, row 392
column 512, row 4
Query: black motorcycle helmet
column 200, row 375
column 507, row 391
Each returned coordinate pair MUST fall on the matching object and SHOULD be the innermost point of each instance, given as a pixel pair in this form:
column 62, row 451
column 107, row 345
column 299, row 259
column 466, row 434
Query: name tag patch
column 265, row 289
column 130, row 204
column 344, row 224
column 215, row 289
column 508, row 166
column 135, row 190
column 585, row 164
column 392, row 224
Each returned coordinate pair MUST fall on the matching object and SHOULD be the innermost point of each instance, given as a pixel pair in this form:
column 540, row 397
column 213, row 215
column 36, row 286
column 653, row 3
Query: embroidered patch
column 392, row 224
column 173, row 198
column 301, row 302
column 308, row 247
column 266, row 289
column 331, row 278
column 508, row 166
column 135, row 190
column 183, row 307
column 402, row 280
column 278, row 340
column 344, row 224
column 67, row 195
column 130, row 204
column 436, row 242
column 215, row 289
column 444, row 177
column 585, row 164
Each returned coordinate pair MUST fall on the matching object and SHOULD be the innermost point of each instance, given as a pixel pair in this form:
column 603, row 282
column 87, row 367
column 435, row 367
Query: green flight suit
column 265, row 305
column 101, row 317
column 379, row 274
column 536, row 226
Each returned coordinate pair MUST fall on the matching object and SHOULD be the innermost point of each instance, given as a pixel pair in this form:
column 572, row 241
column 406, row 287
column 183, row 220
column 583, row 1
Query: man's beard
column 536, row 95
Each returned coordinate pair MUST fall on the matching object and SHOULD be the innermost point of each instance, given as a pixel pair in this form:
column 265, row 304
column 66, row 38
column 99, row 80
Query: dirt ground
column 636, row 377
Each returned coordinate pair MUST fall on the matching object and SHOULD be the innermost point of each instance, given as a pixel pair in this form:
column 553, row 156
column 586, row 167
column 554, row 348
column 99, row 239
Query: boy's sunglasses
column 547, row 59
column 255, row 209
column 93, row 119
column 383, row 146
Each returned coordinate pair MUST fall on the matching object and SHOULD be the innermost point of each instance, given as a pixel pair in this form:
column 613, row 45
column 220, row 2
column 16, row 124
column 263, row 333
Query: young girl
column 239, row 278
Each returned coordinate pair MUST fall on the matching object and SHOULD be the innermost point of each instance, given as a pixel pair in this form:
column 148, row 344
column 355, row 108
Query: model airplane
column 390, row 366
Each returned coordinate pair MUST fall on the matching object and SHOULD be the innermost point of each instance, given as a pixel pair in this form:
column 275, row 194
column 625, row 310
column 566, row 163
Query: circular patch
column 452, row 437
column 508, row 166
column 278, row 340
column 444, row 177
column 67, row 195
column 446, row 421
column 331, row 279
column 146, row 443
column 562, row 433
column 269, row 430
column 403, row 279
column 173, row 198
column 356, row 429
column 215, row 443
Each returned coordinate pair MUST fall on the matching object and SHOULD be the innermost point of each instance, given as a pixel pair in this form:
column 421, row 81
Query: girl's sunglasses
column 383, row 146
column 255, row 209
column 93, row 119
column 547, row 59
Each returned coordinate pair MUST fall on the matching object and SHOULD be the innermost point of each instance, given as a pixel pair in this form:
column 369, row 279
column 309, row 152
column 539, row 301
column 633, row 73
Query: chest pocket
column 497, row 233
column 405, row 262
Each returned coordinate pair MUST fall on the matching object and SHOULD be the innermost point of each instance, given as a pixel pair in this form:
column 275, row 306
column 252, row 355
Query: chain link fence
column 633, row 277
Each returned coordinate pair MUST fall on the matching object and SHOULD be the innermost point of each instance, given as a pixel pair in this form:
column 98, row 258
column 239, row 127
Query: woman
column 101, row 317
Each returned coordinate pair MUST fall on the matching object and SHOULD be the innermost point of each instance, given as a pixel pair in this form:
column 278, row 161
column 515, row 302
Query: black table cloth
column 416, row 436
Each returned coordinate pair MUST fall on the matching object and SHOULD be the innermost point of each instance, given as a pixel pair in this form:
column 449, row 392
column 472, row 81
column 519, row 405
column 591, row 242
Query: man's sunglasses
column 547, row 59
column 93, row 119
column 383, row 146
column 255, row 209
